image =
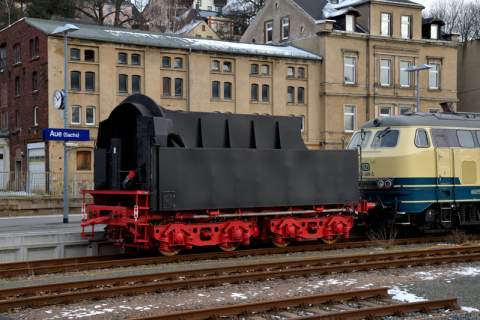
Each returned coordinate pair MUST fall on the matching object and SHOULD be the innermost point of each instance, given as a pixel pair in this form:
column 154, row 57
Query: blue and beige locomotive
column 422, row 170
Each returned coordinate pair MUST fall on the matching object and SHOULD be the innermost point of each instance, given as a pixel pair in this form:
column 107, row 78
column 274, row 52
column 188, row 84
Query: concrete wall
column 19, row 206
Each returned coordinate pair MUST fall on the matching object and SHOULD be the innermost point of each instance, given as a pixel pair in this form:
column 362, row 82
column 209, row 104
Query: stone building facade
column 469, row 77
column 106, row 65
column 366, row 46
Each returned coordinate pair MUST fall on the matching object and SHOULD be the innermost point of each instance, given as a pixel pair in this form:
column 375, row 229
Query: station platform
column 47, row 237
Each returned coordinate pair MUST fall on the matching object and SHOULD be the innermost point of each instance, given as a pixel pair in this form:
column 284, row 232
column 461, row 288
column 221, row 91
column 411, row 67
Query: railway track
column 358, row 304
column 68, row 292
column 9, row 270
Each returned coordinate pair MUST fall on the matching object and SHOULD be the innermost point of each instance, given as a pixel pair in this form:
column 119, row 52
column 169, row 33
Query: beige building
column 106, row 65
column 469, row 77
column 199, row 29
column 366, row 46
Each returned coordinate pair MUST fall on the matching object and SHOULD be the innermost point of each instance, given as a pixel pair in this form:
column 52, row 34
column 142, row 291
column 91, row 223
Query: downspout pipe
column 368, row 67
column 188, row 76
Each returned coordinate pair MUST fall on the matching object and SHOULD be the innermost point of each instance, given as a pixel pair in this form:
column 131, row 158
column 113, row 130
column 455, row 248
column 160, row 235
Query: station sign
column 66, row 134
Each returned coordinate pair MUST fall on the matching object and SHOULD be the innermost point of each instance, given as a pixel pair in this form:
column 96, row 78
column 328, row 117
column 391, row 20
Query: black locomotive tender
column 172, row 179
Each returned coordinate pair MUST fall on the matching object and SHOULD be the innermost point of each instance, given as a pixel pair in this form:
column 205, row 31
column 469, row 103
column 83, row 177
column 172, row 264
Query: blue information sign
column 65, row 134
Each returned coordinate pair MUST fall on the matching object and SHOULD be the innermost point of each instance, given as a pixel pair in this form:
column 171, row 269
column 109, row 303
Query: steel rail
column 265, row 306
column 234, row 274
column 90, row 263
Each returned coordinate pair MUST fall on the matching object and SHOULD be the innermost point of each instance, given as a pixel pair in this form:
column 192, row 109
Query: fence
column 44, row 183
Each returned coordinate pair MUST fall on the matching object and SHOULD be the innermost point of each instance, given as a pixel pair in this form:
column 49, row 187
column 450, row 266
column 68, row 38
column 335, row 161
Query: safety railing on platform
column 44, row 183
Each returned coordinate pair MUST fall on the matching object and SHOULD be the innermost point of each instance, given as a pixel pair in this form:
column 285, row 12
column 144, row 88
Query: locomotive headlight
column 388, row 183
column 380, row 183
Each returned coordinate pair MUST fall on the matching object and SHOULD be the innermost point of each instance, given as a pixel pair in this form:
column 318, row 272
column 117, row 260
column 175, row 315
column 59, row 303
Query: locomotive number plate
column 365, row 166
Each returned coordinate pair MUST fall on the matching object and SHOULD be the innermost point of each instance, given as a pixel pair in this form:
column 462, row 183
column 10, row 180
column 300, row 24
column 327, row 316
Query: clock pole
column 65, row 150
column 64, row 30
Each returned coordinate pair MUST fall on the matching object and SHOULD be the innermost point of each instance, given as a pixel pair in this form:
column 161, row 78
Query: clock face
column 58, row 99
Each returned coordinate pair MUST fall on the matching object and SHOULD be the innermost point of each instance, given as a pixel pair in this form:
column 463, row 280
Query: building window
column 215, row 65
column 34, row 81
column 84, row 160
column 122, row 58
column 37, row 47
column 75, row 80
column 203, row 28
column 268, row 32
column 285, row 28
column 405, row 27
column 302, row 123
column 225, row 28
column 166, row 62
column 434, row 110
column 385, row 72
column 434, row 31
column 265, row 93
column 178, row 87
column 167, row 87
column 215, row 90
column 178, row 63
column 290, row 93
column 349, row 118
column 349, row 23
column 74, row 54
column 135, row 59
column 301, row 73
column 404, row 75
column 254, row 92
column 89, row 55
column 90, row 115
column 122, row 83
column 254, row 69
column 301, row 95
column 209, row 37
column 17, row 86
column 109, row 10
column 227, row 91
column 76, row 114
column 265, row 70
column 19, row 122
column 385, row 24
column 290, row 72
column 3, row 57
column 35, row 113
column 209, row 8
column 90, row 81
column 32, row 49
column 5, row 120
column 227, row 67
column 434, row 76
column 384, row 111
column 135, row 84
column 404, row 110
column 17, row 56
column 349, row 69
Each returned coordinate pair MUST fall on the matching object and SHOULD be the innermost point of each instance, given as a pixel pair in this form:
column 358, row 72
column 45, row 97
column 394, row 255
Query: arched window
column 254, row 69
column 135, row 59
column 75, row 80
column 89, row 55
column 215, row 90
column 122, row 58
column 227, row 91
column 122, row 83
column 90, row 81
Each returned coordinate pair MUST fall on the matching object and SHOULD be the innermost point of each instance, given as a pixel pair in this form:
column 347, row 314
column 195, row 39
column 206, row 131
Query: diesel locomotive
column 171, row 180
column 422, row 170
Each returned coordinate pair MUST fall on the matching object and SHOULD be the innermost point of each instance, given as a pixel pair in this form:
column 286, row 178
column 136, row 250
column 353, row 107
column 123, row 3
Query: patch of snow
column 468, row 309
column 403, row 295
column 238, row 295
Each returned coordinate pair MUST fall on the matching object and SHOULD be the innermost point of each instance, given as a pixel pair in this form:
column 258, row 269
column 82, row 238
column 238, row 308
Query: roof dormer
column 431, row 29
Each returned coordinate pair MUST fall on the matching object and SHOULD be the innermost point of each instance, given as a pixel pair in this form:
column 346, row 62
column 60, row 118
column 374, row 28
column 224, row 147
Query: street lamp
column 413, row 69
column 64, row 30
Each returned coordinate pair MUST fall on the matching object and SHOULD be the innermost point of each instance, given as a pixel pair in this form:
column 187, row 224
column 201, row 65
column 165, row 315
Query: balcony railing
column 44, row 183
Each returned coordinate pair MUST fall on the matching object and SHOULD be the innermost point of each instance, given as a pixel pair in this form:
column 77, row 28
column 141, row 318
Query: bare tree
column 242, row 12
column 100, row 10
column 9, row 5
column 460, row 17
column 166, row 15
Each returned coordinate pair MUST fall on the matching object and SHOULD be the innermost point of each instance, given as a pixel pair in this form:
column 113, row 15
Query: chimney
column 197, row 9
column 447, row 107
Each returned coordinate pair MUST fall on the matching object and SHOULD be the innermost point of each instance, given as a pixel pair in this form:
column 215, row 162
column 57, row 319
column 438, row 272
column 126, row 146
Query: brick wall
column 21, row 33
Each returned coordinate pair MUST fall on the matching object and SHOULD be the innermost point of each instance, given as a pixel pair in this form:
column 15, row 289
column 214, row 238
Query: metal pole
column 65, row 150
column 418, row 90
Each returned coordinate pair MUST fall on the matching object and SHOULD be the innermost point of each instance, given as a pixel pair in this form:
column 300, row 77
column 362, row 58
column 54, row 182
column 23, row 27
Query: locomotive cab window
column 385, row 139
column 465, row 138
column 421, row 139
column 360, row 138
